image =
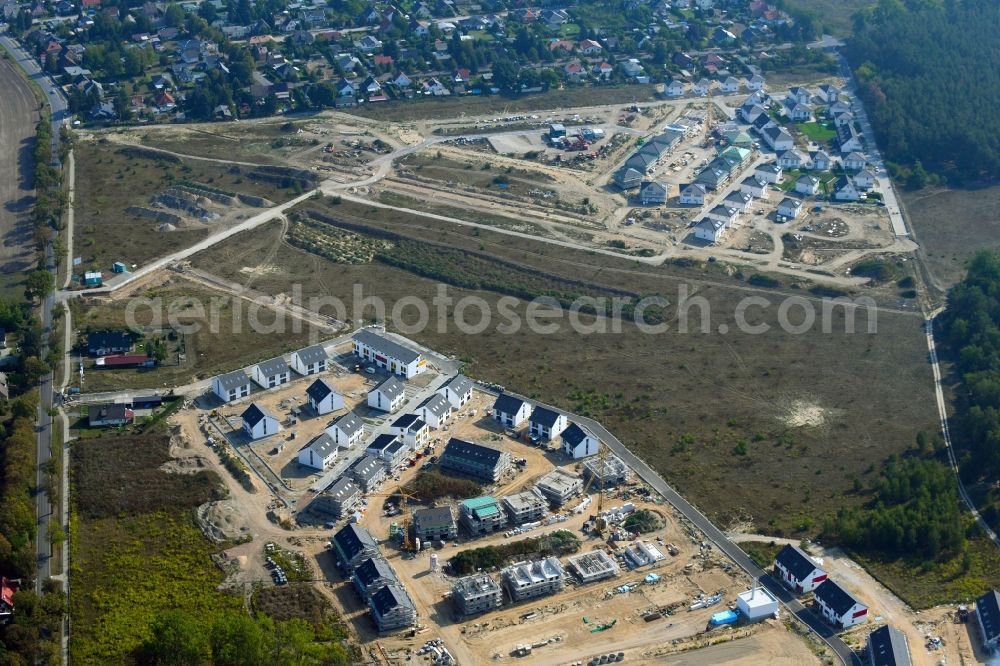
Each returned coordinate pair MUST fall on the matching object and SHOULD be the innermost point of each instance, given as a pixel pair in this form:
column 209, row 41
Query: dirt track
column 18, row 114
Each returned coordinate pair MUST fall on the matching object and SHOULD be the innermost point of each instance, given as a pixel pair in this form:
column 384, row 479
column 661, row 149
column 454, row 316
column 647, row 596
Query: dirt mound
column 221, row 521
column 804, row 414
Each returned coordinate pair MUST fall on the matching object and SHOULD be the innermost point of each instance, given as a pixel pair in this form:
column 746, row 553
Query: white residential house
column 387, row 396
column 631, row 68
column 323, row 398
column 769, row 173
column 800, row 113
column 693, row 194
column 309, row 361
column 797, row 570
column 807, row 185
column 791, row 159
column 756, row 82
column 346, row 430
column 844, row 190
column 231, row 386
column 435, row 410
column 675, row 88
column 724, row 213
column 709, row 230
column 777, row 138
column 271, row 373
column 789, row 208
column 754, row 186
column 510, row 410
column 730, row 85
column 837, row 108
column 258, row 423
column 845, row 118
column 820, row 161
column 849, row 139
column 652, row 193
column 319, row 453
column 829, row 93
column 751, row 112
column 413, row 430
column 603, row 70
column 457, row 391
column 578, row 442
column 401, row 80
column 388, row 354
column 838, row 606
column 800, row 95
column 739, row 200
column 855, row 162
column 546, row 423
column 864, row 179
column 702, row 87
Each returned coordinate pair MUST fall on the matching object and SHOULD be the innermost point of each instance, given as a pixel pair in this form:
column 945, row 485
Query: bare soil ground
column 18, row 115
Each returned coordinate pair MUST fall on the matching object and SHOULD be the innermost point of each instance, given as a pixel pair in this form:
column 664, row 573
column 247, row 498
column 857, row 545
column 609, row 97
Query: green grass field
column 818, row 132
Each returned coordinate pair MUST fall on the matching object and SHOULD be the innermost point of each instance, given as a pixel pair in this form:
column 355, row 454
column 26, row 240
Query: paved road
column 57, row 103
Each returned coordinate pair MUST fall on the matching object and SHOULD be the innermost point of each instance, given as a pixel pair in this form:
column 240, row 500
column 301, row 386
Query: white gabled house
column 435, row 410
column 323, row 398
column 730, row 85
column 272, row 373
column 820, row 161
column 777, row 138
column 510, row 411
column 309, row 361
column 702, row 87
column 855, row 161
column 693, row 195
column 413, row 430
column 546, row 423
column 709, row 230
column 675, row 88
column 844, row 190
column 807, row 185
column 756, row 82
column 388, row 354
column 739, row 200
column 457, row 391
column 346, row 430
column 791, row 159
column 769, row 173
column 724, row 213
column 838, row 606
column 789, row 208
column 320, row 453
column 231, row 386
column 257, row 423
column 797, row 570
column 578, row 442
column 754, row 186
column 864, row 179
column 652, row 193
column 387, row 396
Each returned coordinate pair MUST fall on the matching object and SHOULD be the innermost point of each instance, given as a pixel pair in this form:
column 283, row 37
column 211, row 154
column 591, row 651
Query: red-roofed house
column 7, row 590
column 575, row 71
column 383, row 60
column 590, row 47
column 91, row 3
column 460, row 76
column 603, row 71
column 562, row 45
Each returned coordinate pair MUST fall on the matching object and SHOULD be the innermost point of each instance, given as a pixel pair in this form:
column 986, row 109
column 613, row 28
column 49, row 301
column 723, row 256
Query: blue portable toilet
column 118, row 267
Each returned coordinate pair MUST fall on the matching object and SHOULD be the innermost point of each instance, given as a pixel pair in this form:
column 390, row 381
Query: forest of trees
column 929, row 75
column 971, row 339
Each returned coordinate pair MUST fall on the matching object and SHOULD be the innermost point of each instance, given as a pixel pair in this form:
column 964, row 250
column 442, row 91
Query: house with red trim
column 838, row 606
column 797, row 570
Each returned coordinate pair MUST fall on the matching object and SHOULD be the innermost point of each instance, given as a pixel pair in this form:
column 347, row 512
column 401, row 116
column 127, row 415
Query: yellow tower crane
column 404, row 499
column 599, row 523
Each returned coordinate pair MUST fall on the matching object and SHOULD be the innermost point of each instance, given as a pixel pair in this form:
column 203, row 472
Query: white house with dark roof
column 777, row 138
column 739, row 200
column 730, row 85
column 310, row 361
column 724, row 213
column 844, row 189
column 257, row 423
column 346, row 430
column 693, row 195
column 791, row 159
column 864, row 179
column 675, row 88
column 807, row 185
column 756, row 82
column 271, row 373
column 849, row 139
column 388, row 354
column 754, row 186
column 435, row 410
column 769, row 173
column 323, row 398
column 797, row 570
column 789, row 208
column 653, row 193
column 510, row 410
column 887, row 646
column 231, row 386
column 368, row 472
column 578, row 442
column 854, row 161
column 709, row 230
column 457, row 391
column 413, row 430
column 820, row 161
column 387, row 396
column 546, row 423
column 319, row 453
column 988, row 619
column 838, row 606
column 390, row 448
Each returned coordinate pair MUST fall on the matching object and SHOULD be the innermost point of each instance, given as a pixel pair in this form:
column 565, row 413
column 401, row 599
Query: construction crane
column 404, row 498
column 599, row 523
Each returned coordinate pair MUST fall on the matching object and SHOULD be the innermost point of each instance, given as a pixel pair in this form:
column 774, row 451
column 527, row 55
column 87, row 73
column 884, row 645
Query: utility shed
column 756, row 603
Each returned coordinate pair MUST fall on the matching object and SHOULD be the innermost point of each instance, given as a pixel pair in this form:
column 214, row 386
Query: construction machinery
column 599, row 523
column 405, row 497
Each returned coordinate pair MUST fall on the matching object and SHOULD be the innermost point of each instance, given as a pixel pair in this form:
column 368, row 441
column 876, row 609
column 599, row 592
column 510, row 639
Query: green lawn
column 569, row 30
column 818, row 132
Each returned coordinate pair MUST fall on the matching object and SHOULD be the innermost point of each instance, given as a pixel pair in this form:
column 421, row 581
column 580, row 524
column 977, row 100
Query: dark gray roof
column 988, row 608
column 390, row 597
column 322, row 444
column 408, row 422
column 349, row 423
column 544, row 416
column 311, row 355
column 507, row 404
column 574, row 434
column 887, row 647
column 374, row 569
column 319, row 389
column 386, row 346
column 253, row 415
column 795, row 561
column 343, row 489
column 109, row 340
column 459, row 384
column 272, row 367
column 770, row 167
column 437, row 405
column 232, row 380
column 353, row 539
column 480, row 454
column 789, row 202
column 367, row 468
column 384, row 442
column 434, row 518
column 391, row 388
column 106, row 411
column 834, row 596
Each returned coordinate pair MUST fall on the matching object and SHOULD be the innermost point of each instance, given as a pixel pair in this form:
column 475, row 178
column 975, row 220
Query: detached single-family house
column 769, row 173
column 258, row 423
column 754, row 186
column 590, row 47
column 653, row 193
column 864, row 179
column 988, row 619
column 387, row 396
column 855, row 162
column 231, row 386
column 701, row 87
column 271, row 373
column 368, row 472
column 346, row 430
column 457, row 391
column 389, row 448
column 413, row 430
column 887, row 646
column 109, row 414
column 102, row 343
column 708, row 229
column 628, row 178
column 800, row 113
column 730, row 85
column 820, row 161
column 777, row 138
column 800, row 95
column 844, row 118
column 724, row 213
column 838, row 606
column 546, row 423
column 309, row 361
column 388, row 354
column 603, row 70
column 849, row 139
column 844, row 190
column 435, row 410
column 791, row 159
column 789, row 208
column 797, row 570
column 575, row 72
column 739, row 200
column 807, row 185
column 510, row 411
column 323, row 398
column 675, row 88
column 756, row 82
column 829, row 93
column 319, row 453
column 693, row 194
column 578, row 442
